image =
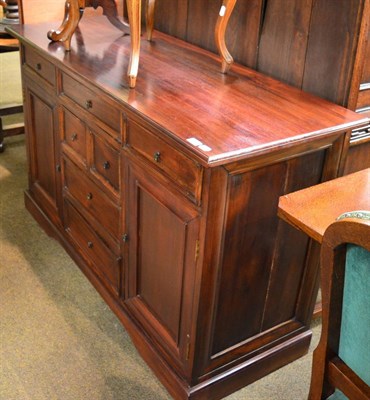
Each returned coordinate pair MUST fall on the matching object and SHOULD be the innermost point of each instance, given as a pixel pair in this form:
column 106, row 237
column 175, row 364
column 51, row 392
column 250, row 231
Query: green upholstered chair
column 341, row 362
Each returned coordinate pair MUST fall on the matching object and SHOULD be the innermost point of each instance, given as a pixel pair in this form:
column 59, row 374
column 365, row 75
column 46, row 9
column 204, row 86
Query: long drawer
column 98, row 105
column 184, row 171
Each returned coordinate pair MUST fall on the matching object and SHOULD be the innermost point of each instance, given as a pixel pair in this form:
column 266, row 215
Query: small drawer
column 176, row 165
column 105, row 161
column 92, row 198
column 106, row 264
column 99, row 105
column 363, row 100
column 74, row 133
column 42, row 67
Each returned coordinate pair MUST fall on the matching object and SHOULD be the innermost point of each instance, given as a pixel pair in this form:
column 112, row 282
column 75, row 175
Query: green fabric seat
column 354, row 345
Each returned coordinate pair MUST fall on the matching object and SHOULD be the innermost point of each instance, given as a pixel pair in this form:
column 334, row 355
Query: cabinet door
column 41, row 120
column 162, row 254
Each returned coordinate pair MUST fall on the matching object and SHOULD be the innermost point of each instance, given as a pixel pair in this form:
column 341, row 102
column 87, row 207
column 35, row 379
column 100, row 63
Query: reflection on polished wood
column 73, row 13
column 134, row 17
column 74, row 10
column 150, row 5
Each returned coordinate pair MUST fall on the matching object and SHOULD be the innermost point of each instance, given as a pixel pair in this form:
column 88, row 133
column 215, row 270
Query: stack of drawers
column 91, row 178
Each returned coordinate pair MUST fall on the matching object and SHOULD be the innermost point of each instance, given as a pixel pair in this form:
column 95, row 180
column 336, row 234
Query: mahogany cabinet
column 166, row 197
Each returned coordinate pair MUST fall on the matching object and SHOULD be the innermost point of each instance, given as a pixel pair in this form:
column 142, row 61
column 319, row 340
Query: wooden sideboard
column 166, row 197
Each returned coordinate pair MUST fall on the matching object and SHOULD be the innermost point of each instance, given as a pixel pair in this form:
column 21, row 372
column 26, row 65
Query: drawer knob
column 74, row 137
column 125, row 238
column 89, row 196
column 88, row 104
column 90, row 245
column 38, row 67
column 157, row 156
column 106, row 165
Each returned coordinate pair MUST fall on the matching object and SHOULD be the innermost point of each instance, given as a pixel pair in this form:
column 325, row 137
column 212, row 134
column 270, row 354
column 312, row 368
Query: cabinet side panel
column 263, row 258
column 291, row 247
column 250, row 232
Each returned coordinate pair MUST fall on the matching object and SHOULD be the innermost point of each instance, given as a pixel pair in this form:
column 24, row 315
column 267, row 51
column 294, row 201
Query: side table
column 312, row 210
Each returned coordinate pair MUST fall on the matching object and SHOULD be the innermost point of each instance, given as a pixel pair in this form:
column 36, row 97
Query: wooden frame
column 329, row 371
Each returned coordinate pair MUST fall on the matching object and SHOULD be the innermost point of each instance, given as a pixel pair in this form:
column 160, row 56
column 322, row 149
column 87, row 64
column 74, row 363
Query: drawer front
column 74, row 133
column 184, row 171
column 42, row 67
column 106, row 161
column 363, row 100
column 92, row 198
column 106, row 264
column 98, row 105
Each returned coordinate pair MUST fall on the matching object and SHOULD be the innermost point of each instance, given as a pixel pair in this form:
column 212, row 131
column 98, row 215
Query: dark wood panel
column 202, row 17
column 42, row 131
column 284, row 40
column 366, row 71
column 358, row 157
column 249, row 241
column 291, row 246
column 331, row 48
column 171, row 16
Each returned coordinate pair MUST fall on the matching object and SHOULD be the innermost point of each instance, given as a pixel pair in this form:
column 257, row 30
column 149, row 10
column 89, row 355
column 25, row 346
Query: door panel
column 163, row 238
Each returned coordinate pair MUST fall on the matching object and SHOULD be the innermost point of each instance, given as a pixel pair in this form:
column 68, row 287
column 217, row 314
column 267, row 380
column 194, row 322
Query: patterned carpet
column 58, row 339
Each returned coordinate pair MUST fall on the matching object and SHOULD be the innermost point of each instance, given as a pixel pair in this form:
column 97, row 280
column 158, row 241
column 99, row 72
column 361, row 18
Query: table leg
column 221, row 25
column 72, row 14
column 150, row 4
column 134, row 17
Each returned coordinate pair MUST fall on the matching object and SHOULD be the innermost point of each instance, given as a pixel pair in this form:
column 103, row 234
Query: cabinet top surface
column 181, row 90
column 312, row 210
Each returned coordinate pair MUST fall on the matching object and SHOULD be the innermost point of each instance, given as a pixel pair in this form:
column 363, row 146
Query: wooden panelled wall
column 310, row 44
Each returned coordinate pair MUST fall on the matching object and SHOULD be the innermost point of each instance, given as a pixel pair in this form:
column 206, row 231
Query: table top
column 313, row 209
column 180, row 89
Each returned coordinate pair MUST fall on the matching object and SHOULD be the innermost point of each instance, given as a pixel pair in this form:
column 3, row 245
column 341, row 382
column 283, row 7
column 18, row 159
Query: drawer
column 363, row 100
column 40, row 65
column 92, row 198
column 97, row 104
column 74, row 133
column 176, row 165
column 105, row 161
column 106, row 264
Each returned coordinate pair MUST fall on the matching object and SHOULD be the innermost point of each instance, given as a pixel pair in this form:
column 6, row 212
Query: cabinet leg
column 72, row 14
column 150, row 5
column 134, row 17
column 221, row 25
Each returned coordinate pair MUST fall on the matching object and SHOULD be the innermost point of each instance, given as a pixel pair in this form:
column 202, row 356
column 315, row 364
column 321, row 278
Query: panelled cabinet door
column 163, row 244
column 41, row 118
